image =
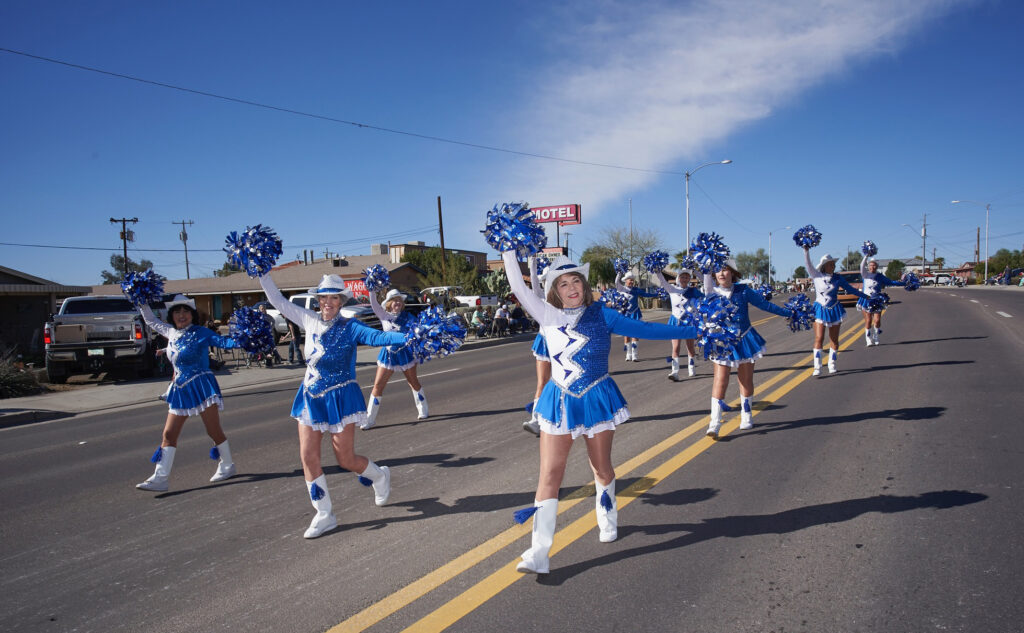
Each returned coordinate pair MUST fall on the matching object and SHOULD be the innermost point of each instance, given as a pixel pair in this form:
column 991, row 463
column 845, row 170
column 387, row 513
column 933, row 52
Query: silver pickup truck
column 91, row 334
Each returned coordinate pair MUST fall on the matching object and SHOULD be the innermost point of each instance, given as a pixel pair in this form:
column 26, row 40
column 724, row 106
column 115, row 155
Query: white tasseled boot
column 607, row 512
column 716, row 417
column 164, row 459
column 380, row 479
column 690, row 368
column 632, row 352
column 832, row 361
column 226, row 467
column 817, row 362
column 625, row 348
column 324, row 519
column 421, row 404
column 746, row 413
column 533, row 425
column 372, row 407
column 535, row 559
column 867, row 337
column 874, row 335
column 674, row 373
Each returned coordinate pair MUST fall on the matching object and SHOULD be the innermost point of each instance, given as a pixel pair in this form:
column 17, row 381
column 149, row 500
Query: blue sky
column 858, row 117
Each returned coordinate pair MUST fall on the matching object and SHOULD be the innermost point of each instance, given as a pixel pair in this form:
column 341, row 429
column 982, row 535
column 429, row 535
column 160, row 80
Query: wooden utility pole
column 126, row 236
column 184, row 238
column 440, row 228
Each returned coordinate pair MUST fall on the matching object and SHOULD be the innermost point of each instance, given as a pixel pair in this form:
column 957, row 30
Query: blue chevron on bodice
column 579, row 351
column 332, row 362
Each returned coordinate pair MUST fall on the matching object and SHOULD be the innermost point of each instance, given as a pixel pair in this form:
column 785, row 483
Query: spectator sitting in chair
column 480, row 322
column 519, row 320
column 501, row 320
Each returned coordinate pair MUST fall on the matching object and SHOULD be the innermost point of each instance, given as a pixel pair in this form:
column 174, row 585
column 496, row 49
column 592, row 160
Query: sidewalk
column 56, row 405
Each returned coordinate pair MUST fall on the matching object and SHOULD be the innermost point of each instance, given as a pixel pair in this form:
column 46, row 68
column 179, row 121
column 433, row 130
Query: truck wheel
column 55, row 376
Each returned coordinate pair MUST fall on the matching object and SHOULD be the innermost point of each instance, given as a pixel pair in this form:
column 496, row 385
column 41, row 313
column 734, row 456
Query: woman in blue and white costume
column 627, row 283
column 874, row 283
column 828, row 312
column 540, row 351
column 682, row 297
column 394, row 318
column 329, row 399
column 193, row 390
column 581, row 399
column 750, row 348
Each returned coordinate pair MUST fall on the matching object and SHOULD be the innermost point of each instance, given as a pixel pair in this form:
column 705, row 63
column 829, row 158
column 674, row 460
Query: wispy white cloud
column 651, row 84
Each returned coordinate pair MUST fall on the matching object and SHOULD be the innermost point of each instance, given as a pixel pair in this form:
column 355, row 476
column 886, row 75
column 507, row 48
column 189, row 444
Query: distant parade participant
column 681, row 296
column 193, row 389
column 329, row 399
column 750, row 348
column 626, row 282
column 539, row 349
column 394, row 318
column 828, row 312
column 874, row 283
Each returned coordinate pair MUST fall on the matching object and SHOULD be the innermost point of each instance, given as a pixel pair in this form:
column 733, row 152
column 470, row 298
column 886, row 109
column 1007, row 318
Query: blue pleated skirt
column 600, row 408
column 194, row 396
column 395, row 360
column 540, row 349
column 864, row 306
column 672, row 320
column 750, row 348
column 331, row 410
column 829, row 316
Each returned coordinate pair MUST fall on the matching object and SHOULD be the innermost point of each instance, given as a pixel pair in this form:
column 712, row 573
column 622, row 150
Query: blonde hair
column 555, row 300
column 387, row 304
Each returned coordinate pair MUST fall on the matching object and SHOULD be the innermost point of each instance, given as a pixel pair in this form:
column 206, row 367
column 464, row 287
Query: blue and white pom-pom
column 765, row 291
column 435, row 333
column 655, row 261
column 660, row 293
column 878, row 302
column 709, row 252
column 718, row 333
column 621, row 265
column 801, row 312
column 807, row 236
column 910, row 282
column 688, row 263
column 251, row 330
column 543, row 263
column 377, row 278
column 616, row 300
column 869, row 249
column 511, row 227
column 255, row 251
column 143, row 288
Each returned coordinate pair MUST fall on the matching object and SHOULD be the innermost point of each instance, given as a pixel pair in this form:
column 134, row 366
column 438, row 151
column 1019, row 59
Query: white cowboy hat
column 179, row 300
column 628, row 275
column 731, row 264
column 561, row 265
column 826, row 258
column 331, row 285
column 394, row 293
column 684, row 271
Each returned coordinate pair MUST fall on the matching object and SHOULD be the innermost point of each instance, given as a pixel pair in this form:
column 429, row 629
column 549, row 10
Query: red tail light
column 478, row 301
column 47, row 336
column 138, row 331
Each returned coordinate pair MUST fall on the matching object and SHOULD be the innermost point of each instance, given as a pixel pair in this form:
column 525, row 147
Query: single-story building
column 26, row 303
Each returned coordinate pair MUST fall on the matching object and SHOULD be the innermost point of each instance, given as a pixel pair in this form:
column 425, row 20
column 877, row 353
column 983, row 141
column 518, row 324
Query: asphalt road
column 884, row 498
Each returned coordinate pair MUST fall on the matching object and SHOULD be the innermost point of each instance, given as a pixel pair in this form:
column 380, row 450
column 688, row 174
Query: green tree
column 458, row 270
column 800, row 273
column 602, row 271
column 895, row 269
column 852, row 260
column 997, row 263
column 226, row 269
column 940, row 262
column 117, row 264
column 753, row 264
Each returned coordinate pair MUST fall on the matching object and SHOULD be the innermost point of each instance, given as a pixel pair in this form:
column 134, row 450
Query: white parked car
column 353, row 309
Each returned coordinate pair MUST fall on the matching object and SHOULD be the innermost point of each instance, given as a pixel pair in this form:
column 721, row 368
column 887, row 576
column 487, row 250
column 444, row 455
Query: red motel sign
column 565, row 214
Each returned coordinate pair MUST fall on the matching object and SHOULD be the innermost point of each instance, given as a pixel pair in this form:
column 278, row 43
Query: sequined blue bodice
column 332, row 360
column 874, row 282
column 189, row 351
column 579, row 351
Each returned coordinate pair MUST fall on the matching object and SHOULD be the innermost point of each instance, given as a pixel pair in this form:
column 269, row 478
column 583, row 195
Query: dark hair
column 555, row 300
column 182, row 306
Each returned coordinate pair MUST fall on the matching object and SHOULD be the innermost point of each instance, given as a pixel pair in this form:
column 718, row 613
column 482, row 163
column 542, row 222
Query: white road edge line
column 1003, row 314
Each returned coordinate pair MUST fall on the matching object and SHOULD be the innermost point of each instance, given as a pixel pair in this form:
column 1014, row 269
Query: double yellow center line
column 481, row 592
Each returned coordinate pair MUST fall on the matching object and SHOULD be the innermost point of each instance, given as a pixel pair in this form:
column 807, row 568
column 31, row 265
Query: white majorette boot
column 632, row 352
column 832, row 361
column 867, row 338
column 372, row 407
column 225, row 468
column 323, row 520
column 535, row 559
column 625, row 348
column 817, row 362
column 164, row 459
column 717, row 406
column 607, row 512
column 533, row 425
column 674, row 373
column 874, row 335
column 690, row 368
column 421, row 404
column 380, row 478
column 745, row 413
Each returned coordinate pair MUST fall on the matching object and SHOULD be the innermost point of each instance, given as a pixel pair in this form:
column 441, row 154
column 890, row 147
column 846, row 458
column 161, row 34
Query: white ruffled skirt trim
column 359, row 419
column 206, row 404
column 620, row 416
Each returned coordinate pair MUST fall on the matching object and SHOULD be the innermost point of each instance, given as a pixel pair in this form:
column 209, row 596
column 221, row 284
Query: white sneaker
column 382, row 489
column 713, row 428
column 832, row 368
column 817, row 371
column 322, row 522
column 224, row 472
column 532, row 426
column 156, row 484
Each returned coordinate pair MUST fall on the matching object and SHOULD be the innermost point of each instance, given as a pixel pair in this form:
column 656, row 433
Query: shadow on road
column 783, row 522
column 906, row 414
column 938, row 340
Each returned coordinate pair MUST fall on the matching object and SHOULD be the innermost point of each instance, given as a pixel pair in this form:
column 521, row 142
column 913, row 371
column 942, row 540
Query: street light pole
column 688, row 174
column 781, row 228
column 987, row 208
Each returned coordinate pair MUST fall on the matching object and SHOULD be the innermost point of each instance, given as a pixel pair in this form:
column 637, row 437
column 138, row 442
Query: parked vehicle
column 854, row 278
column 352, row 309
column 943, row 279
column 91, row 334
column 453, row 295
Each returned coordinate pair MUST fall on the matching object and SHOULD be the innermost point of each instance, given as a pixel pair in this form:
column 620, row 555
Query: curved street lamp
column 987, row 208
column 688, row 174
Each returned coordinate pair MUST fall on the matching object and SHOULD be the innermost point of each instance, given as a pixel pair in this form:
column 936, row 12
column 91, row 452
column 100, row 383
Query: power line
column 330, row 119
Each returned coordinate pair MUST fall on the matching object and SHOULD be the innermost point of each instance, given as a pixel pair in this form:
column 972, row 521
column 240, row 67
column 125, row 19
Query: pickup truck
column 353, row 309
column 90, row 334
column 449, row 294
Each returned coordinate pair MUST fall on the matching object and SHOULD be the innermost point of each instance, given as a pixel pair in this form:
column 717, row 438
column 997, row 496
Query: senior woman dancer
column 828, row 312
column 329, row 399
column 394, row 318
column 193, row 390
column 580, row 398
column 627, row 283
column 682, row 296
column 874, row 283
